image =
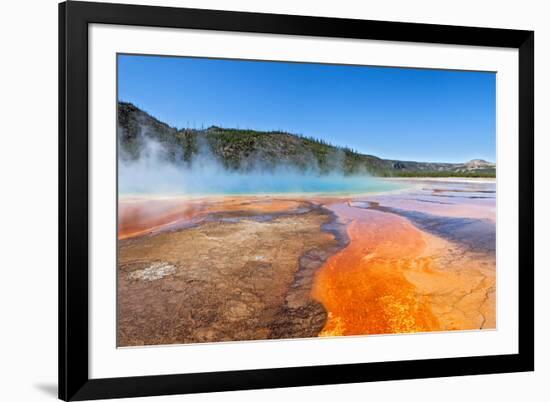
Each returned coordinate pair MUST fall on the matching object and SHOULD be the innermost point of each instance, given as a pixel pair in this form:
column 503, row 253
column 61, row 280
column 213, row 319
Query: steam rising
column 154, row 172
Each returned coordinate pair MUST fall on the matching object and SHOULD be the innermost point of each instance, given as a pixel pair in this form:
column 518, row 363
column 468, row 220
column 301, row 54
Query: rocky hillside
column 242, row 150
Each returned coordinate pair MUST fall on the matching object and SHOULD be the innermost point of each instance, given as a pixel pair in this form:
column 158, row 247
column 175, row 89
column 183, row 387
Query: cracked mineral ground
column 235, row 268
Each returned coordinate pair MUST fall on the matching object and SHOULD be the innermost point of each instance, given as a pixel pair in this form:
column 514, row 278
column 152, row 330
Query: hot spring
column 189, row 182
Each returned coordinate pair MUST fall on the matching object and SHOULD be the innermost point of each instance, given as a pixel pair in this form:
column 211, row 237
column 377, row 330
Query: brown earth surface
column 238, row 279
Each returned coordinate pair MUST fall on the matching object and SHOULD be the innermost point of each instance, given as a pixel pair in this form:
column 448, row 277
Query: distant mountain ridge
column 242, row 150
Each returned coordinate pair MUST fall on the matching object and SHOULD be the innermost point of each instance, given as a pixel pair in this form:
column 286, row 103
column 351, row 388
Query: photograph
column 275, row 200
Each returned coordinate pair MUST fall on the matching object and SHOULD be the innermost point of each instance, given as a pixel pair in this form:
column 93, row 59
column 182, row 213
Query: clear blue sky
column 407, row 114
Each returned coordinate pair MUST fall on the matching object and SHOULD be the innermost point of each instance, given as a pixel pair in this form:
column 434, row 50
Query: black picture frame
column 74, row 381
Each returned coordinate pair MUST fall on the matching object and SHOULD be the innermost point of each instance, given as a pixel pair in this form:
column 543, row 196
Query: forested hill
column 238, row 149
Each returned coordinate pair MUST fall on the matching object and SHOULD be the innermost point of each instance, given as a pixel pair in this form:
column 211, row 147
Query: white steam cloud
column 154, row 173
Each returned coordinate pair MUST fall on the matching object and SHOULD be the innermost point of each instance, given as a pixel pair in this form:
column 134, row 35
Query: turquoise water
column 301, row 184
column 240, row 183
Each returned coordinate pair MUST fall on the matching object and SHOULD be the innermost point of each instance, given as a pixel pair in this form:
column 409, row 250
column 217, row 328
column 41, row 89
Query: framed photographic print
column 258, row 200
